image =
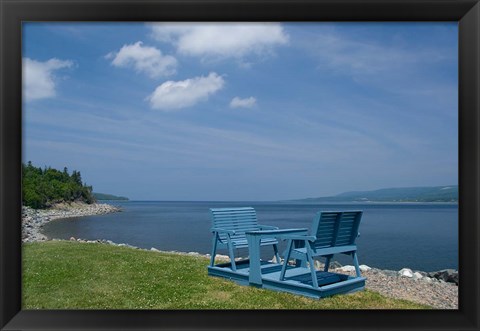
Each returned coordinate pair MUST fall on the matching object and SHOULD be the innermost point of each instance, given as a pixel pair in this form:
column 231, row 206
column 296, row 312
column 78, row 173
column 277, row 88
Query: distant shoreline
column 369, row 202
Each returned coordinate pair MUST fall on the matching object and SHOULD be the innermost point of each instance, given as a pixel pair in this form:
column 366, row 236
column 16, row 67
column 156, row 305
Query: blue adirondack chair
column 331, row 233
column 229, row 226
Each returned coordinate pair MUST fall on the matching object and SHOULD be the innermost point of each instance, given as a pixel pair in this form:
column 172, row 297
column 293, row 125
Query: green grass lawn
column 71, row 275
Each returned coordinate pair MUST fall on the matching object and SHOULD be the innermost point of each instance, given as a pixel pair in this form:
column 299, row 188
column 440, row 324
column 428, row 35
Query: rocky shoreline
column 438, row 289
column 427, row 290
column 34, row 219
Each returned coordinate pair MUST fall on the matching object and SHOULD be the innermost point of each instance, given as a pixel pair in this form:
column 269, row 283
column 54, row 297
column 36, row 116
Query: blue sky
column 242, row 111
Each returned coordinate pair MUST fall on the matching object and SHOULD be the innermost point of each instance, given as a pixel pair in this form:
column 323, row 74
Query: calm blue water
column 393, row 236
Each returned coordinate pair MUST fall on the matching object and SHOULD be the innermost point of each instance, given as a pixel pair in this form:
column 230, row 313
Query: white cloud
column 38, row 78
column 145, row 59
column 221, row 40
column 243, row 103
column 173, row 95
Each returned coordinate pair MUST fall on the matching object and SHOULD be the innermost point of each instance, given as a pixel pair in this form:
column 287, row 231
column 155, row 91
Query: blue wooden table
column 253, row 238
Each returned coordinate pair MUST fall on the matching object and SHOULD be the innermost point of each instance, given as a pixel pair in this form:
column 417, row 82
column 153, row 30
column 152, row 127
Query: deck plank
column 298, row 280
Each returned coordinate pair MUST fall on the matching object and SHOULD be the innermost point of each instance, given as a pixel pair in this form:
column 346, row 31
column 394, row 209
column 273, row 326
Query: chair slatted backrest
column 238, row 219
column 336, row 228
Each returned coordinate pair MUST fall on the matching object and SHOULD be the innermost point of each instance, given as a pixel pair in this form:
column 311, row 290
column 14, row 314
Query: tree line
column 44, row 187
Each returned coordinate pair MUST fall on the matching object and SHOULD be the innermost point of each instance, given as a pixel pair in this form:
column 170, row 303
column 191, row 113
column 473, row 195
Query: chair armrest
column 222, row 230
column 268, row 227
column 300, row 237
column 276, row 233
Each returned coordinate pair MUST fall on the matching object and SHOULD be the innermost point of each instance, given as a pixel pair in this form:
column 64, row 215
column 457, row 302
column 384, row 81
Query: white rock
column 405, row 272
column 417, row 275
column 348, row 268
column 222, row 257
column 364, row 267
column 427, row 279
column 274, row 259
column 153, row 249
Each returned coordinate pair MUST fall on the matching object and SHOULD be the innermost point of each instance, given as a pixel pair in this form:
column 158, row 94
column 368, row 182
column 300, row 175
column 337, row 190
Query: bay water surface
column 420, row 236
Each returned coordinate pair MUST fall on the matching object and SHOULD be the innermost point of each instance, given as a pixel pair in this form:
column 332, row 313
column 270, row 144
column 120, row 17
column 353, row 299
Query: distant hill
column 103, row 196
column 401, row 194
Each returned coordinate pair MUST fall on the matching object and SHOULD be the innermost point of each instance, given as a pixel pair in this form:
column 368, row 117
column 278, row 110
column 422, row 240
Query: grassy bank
column 60, row 274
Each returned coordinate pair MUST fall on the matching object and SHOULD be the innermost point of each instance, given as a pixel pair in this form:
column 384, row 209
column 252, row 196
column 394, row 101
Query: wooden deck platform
column 297, row 281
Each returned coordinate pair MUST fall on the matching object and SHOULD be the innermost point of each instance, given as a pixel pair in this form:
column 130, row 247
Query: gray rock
column 446, row 275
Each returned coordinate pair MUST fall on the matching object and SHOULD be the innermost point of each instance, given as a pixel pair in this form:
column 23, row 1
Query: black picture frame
column 14, row 12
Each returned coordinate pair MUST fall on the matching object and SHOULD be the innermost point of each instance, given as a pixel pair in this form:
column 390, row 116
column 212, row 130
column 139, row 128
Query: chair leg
column 312, row 268
column 327, row 263
column 277, row 256
column 355, row 263
column 300, row 262
column 214, row 250
column 285, row 261
column 232, row 257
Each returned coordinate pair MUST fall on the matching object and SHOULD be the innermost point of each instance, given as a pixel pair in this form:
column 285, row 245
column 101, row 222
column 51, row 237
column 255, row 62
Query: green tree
column 43, row 188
